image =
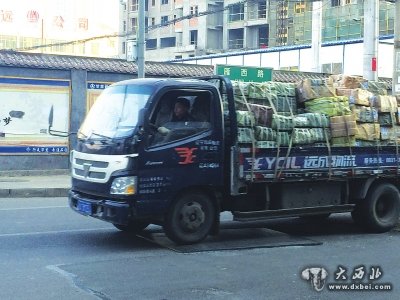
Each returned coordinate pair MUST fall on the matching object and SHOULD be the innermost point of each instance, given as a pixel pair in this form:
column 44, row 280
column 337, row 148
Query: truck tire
column 132, row 227
column 380, row 210
column 190, row 219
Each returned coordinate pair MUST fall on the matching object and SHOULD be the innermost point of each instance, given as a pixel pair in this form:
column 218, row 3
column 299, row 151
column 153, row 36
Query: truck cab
column 135, row 164
column 127, row 171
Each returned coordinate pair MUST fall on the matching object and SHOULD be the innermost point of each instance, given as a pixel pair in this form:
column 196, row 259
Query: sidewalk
column 26, row 186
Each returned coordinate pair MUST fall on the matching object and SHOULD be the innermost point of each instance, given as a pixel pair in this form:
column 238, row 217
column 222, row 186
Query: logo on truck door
column 186, row 154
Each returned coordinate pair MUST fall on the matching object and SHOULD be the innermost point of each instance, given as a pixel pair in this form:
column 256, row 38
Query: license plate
column 84, row 207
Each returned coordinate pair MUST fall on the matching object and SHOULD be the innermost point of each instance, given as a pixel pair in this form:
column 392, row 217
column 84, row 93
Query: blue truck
column 127, row 171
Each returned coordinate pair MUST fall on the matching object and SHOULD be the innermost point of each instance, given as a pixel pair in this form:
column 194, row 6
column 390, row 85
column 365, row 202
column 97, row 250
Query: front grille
column 90, row 168
column 93, row 163
column 97, row 175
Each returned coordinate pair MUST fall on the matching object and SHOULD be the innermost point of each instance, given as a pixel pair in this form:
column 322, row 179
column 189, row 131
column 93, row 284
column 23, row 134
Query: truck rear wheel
column 132, row 227
column 380, row 210
column 190, row 219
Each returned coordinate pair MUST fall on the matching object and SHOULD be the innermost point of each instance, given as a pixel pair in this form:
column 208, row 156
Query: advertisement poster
column 28, row 108
column 94, row 90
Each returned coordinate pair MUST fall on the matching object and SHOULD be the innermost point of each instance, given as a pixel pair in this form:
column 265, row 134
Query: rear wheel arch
column 379, row 211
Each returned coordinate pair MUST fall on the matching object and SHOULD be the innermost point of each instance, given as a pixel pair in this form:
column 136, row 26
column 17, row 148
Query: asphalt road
column 49, row 252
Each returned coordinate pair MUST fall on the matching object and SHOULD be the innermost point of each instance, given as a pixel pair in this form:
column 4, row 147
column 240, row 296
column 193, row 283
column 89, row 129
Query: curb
column 34, row 192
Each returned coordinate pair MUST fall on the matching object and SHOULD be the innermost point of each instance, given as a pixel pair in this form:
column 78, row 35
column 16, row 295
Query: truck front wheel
column 190, row 219
column 380, row 210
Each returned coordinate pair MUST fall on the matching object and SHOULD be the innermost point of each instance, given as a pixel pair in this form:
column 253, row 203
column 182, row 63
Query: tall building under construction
column 189, row 28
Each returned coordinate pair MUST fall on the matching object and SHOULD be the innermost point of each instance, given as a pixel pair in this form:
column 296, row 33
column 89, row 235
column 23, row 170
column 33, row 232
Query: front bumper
column 107, row 210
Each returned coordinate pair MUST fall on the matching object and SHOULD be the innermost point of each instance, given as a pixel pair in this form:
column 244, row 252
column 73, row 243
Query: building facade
column 204, row 27
column 60, row 27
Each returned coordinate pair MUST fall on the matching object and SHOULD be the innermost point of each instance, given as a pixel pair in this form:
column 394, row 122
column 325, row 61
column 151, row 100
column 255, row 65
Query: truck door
column 180, row 153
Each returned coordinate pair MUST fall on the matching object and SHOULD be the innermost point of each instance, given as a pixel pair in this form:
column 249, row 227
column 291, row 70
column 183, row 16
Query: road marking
column 28, row 208
column 73, row 280
column 55, row 232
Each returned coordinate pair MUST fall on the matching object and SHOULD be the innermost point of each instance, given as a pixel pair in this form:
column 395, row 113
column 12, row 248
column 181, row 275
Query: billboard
column 27, row 108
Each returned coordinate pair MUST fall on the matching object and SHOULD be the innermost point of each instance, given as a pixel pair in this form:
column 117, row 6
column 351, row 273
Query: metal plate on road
column 233, row 239
column 84, row 207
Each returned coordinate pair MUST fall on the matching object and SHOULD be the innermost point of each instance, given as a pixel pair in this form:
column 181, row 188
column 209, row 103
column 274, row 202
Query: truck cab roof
column 162, row 82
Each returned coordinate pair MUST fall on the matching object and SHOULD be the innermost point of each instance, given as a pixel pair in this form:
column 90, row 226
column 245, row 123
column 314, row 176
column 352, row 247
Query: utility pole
column 316, row 35
column 140, row 39
column 396, row 51
column 371, row 36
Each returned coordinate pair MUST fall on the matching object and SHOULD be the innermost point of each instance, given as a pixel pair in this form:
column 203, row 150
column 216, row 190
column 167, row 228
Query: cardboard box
column 342, row 126
column 346, row 81
column 386, row 104
column 368, row 132
column 309, row 89
column 356, row 96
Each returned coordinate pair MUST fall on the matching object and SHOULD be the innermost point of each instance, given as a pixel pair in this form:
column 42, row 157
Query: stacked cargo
column 340, row 111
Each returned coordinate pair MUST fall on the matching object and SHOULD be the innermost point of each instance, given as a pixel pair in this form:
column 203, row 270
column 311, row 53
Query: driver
column 180, row 113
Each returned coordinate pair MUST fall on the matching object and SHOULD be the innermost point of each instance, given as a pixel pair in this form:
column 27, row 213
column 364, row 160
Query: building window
column 194, row 10
column 300, row 7
column 262, row 9
column 124, row 26
column 134, row 24
column 123, row 47
column 8, row 42
column 164, row 20
column 193, row 37
column 163, row 2
column 335, row 3
column 153, row 21
column 95, row 49
column 134, row 5
column 153, row 2
column 167, row 42
column 151, row 44
column 236, row 12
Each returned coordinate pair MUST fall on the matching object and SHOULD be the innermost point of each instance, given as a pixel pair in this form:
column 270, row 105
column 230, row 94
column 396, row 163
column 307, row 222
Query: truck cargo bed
column 313, row 163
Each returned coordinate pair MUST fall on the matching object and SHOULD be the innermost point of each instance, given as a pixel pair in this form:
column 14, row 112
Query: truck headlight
column 124, row 186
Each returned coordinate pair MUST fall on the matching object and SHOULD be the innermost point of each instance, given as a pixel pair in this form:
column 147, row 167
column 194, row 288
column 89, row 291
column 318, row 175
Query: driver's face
column 180, row 110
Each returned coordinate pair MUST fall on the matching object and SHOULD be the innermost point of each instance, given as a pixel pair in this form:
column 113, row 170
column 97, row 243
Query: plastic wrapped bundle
column 365, row 114
column 280, row 122
column 282, row 139
column 282, row 103
column 265, row 134
column 375, row 87
column 262, row 114
column 245, row 135
column 311, row 120
column 266, row 144
column 245, row 118
column 302, row 136
column 387, row 119
column 320, row 134
column 345, row 141
column 279, row 88
column 390, row 133
column 362, row 143
column 331, row 106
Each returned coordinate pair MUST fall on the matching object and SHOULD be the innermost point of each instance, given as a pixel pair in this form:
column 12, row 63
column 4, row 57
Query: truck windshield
column 115, row 114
